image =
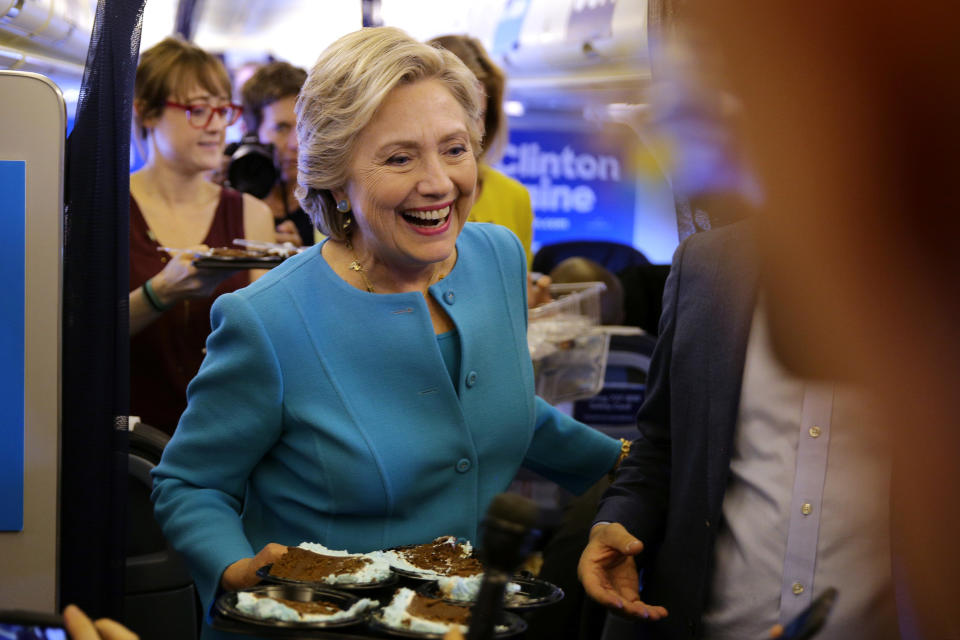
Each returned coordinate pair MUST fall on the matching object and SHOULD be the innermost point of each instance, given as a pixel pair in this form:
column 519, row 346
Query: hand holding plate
column 243, row 573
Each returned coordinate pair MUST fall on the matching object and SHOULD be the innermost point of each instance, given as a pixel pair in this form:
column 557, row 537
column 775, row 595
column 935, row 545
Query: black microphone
column 506, row 540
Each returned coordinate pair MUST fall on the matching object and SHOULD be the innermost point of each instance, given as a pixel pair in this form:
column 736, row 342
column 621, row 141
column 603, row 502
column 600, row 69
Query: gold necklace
column 357, row 266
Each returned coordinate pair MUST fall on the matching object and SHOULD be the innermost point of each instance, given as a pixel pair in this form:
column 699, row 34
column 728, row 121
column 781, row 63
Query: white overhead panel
column 425, row 19
column 293, row 30
column 559, row 55
column 49, row 37
column 571, row 54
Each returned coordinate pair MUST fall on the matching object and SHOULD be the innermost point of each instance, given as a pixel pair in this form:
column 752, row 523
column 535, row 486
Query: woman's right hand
column 181, row 279
column 243, row 573
column 287, row 232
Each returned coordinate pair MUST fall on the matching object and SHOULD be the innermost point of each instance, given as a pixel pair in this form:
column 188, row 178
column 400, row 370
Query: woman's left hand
column 243, row 573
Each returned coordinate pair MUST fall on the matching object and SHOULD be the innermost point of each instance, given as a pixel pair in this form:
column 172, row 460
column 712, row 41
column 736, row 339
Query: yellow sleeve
column 506, row 202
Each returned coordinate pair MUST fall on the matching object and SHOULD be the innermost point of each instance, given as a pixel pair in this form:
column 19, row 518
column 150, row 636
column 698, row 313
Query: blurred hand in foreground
column 80, row 627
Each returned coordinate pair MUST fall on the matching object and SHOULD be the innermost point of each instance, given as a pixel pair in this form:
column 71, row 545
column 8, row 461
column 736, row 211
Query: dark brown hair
column 269, row 83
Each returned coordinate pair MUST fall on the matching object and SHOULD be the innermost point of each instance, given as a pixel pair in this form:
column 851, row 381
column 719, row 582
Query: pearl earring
column 343, row 206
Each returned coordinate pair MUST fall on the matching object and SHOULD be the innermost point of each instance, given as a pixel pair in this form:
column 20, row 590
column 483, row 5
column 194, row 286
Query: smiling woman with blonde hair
column 376, row 389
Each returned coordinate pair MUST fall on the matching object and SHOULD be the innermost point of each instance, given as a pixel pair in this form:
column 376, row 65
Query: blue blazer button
column 471, row 378
column 463, row 465
column 449, row 297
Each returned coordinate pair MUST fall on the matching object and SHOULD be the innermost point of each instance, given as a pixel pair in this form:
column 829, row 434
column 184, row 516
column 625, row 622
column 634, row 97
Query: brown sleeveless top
column 166, row 355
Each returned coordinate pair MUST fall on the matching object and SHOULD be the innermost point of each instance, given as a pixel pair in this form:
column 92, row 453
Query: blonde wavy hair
column 342, row 94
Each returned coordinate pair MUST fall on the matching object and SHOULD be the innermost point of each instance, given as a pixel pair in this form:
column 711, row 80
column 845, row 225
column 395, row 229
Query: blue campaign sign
column 579, row 183
column 12, row 238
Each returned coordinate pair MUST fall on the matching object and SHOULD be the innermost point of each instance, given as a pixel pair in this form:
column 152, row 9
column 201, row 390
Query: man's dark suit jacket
column 669, row 490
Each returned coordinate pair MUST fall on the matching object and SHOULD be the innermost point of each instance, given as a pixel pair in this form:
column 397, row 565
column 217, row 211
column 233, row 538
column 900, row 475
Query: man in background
column 268, row 98
column 750, row 490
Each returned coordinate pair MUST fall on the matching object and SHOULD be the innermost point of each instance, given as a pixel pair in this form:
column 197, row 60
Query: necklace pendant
column 356, row 266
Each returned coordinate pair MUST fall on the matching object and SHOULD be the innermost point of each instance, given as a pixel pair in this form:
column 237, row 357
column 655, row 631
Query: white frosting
column 398, row 559
column 377, row 570
column 270, row 609
column 467, row 588
column 395, row 615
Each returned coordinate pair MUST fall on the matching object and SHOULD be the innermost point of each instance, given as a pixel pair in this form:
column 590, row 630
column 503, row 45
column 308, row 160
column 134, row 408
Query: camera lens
column 251, row 168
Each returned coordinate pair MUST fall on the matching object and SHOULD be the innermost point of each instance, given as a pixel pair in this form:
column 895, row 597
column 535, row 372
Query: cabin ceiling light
column 514, row 108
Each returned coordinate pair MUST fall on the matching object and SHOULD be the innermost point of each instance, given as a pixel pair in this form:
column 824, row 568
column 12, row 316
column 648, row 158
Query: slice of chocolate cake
column 411, row 611
column 442, row 557
column 314, row 563
column 307, row 566
column 437, row 610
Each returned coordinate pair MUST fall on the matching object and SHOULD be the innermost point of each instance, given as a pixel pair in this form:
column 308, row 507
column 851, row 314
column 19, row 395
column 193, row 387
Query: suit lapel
column 731, row 311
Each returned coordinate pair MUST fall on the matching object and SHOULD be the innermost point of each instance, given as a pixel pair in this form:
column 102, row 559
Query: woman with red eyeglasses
column 181, row 111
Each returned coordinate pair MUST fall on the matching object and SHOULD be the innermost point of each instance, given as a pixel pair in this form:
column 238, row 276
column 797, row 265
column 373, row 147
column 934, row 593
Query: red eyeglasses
column 200, row 114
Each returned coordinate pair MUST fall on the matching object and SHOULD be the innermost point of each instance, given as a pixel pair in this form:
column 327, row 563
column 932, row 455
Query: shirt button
column 463, row 465
column 806, row 509
column 797, row 588
column 815, row 432
column 449, row 297
column 471, row 378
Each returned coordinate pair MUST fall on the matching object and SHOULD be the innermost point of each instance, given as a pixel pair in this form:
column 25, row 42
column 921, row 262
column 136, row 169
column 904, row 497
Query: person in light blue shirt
column 375, row 390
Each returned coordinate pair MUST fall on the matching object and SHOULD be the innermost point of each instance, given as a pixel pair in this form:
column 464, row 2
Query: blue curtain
column 95, row 351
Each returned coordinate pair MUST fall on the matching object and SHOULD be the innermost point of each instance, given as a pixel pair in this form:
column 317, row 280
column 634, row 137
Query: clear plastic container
column 568, row 348
column 577, row 298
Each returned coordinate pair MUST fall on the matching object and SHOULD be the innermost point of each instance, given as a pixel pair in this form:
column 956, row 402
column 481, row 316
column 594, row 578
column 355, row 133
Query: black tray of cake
column 413, row 615
column 233, row 258
column 294, row 609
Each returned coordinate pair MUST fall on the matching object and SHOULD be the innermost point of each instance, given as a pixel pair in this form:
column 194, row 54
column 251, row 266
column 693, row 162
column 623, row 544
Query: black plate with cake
column 521, row 594
column 312, row 564
column 233, row 258
column 287, row 607
column 444, row 556
column 413, row 615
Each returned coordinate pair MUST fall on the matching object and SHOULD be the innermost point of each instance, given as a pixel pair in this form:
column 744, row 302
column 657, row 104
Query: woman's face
column 182, row 144
column 412, row 178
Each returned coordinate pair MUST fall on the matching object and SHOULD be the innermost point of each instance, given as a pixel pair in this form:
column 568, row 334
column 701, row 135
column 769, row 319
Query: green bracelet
column 152, row 297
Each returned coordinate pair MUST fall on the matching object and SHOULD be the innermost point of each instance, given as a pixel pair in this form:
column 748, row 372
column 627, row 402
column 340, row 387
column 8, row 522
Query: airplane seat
column 613, row 255
column 160, row 600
